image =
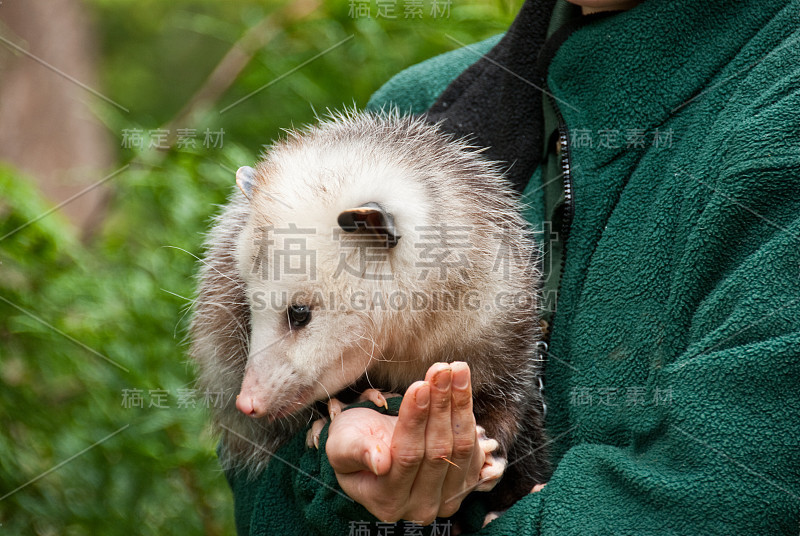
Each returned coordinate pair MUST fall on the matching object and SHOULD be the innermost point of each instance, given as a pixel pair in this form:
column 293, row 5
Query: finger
column 427, row 488
column 408, row 441
column 357, row 442
column 466, row 457
column 387, row 497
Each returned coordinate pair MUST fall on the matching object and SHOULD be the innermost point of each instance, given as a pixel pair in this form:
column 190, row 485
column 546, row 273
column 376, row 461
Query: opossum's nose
column 248, row 406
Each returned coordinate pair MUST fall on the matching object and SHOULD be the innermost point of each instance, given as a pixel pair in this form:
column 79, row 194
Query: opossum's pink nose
column 248, row 406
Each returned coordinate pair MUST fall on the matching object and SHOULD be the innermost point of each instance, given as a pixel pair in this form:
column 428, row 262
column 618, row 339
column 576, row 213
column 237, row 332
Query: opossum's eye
column 299, row 315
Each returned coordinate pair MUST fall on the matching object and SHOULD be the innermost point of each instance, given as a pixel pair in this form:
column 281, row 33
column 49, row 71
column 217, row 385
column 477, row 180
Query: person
column 657, row 148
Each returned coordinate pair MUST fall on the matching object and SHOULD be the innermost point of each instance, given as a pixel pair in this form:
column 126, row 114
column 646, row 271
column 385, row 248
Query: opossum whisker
column 198, row 301
column 222, row 305
column 310, row 417
column 369, row 382
column 371, row 352
column 189, row 300
column 201, row 260
column 326, row 390
column 186, row 310
column 382, row 358
column 371, row 332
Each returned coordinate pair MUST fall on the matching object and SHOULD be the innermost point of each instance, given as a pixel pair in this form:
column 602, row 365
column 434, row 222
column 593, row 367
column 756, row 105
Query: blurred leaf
column 84, row 326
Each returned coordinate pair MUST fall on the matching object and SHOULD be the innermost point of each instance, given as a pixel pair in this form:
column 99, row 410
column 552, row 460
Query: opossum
column 358, row 252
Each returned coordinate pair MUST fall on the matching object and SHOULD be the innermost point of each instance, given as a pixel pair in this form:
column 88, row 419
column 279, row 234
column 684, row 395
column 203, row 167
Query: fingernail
column 374, row 463
column 423, row 396
column 442, row 379
column 316, row 441
column 461, row 378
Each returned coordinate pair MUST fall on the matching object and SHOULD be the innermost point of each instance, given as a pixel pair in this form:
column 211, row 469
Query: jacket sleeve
column 298, row 494
column 719, row 452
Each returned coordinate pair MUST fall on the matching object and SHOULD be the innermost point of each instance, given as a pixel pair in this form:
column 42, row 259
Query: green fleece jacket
column 673, row 379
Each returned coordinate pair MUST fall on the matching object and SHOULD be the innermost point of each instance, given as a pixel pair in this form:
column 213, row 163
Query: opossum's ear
column 372, row 217
column 245, row 178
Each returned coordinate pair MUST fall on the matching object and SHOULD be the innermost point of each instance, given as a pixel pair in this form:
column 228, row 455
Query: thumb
column 352, row 445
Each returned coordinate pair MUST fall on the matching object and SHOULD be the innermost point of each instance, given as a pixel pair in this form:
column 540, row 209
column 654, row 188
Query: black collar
column 497, row 101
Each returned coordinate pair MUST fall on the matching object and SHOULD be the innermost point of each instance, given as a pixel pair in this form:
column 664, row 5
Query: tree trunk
column 47, row 128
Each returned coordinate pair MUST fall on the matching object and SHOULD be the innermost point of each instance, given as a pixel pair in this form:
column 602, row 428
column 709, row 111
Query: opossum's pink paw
column 334, row 407
column 312, row 437
column 487, row 445
column 491, row 516
column 376, row 397
column 493, row 466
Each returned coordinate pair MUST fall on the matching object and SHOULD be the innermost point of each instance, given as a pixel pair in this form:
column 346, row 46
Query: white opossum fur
column 459, row 239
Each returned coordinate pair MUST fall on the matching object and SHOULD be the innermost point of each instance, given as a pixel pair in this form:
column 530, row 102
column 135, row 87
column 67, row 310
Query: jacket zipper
column 566, row 224
column 569, row 203
column 569, row 206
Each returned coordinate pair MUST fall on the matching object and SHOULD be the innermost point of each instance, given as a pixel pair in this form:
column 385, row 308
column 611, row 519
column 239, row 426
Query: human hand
column 416, row 466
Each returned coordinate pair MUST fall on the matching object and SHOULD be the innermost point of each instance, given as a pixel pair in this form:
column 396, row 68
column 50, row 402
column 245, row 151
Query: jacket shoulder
column 415, row 89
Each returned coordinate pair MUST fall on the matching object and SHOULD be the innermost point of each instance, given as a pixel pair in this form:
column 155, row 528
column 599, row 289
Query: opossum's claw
column 374, row 396
column 493, row 466
column 312, row 437
column 334, row 407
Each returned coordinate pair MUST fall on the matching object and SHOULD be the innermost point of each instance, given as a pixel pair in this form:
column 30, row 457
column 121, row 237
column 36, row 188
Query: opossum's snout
column 257, row 407
column 274, row 397
column 247, row 406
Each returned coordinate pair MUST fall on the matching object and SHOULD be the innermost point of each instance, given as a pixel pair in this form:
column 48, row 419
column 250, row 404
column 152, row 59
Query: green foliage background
column 81, row 322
